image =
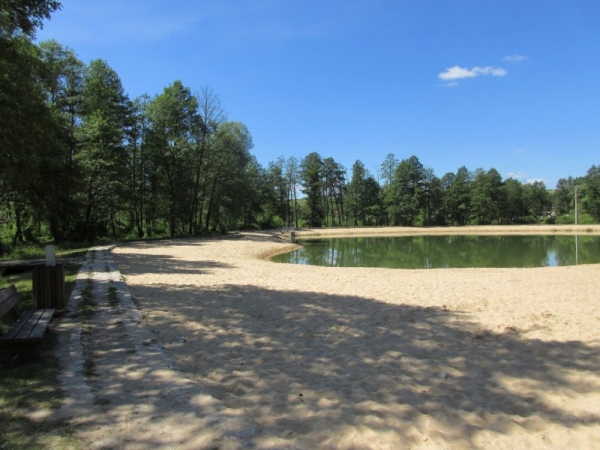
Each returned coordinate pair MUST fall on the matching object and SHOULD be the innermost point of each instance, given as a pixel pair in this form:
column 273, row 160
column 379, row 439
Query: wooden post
column 49, row 287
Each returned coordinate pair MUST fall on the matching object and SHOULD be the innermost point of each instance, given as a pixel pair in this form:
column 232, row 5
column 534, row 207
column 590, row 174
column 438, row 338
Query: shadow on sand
column 314, row 368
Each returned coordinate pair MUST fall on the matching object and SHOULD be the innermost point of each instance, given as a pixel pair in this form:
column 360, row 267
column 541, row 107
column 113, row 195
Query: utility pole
column 576, row 211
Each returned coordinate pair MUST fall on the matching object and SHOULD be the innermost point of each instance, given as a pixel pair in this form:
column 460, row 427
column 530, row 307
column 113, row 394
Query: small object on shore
column 179, row 340
column 443, row 375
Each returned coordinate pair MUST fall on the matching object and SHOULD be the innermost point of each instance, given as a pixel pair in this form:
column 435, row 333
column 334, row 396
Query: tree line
column 81, row 160
column 406, row 193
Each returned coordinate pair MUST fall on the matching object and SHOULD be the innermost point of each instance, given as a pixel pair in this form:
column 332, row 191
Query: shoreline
column 468, row 229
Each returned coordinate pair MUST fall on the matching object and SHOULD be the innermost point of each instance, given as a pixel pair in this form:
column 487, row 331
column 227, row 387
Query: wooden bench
column 28, row 329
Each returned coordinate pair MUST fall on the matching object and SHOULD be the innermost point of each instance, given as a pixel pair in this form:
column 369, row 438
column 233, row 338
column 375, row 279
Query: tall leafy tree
column 27, row 127
column 333, row 184
column 311, row 169
column 279, row 199
column 356, row 202
column 101, row 156
column 388, row 169
column 432, row 199
column 458, row 197
column 406, row 200
column 62, row 83
column 591, row 200
column 255, row 193
column 363, row 202
column 139, row 165
column 374, row 213
column 228, row 181
column 515, row 203
column 563, row 195
column 292, row 174
column 486, row 197
column 172, row 139
column 211, row 115
column 537, row 198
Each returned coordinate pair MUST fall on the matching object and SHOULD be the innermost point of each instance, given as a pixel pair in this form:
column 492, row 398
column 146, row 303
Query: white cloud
column 458, row 73
column 515, row 59
column 450, row 84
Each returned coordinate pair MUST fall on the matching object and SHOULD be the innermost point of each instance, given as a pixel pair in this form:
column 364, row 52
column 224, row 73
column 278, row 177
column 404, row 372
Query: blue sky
column 508, row 84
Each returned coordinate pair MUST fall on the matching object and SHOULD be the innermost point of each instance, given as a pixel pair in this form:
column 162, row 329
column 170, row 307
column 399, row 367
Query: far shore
column 477, row 229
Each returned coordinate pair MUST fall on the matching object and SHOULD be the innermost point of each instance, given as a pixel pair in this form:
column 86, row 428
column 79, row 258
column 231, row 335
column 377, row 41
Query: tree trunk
column 18, row 237
column 210, row 202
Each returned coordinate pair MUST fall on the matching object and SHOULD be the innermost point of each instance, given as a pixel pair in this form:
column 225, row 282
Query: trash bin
column 49, row 287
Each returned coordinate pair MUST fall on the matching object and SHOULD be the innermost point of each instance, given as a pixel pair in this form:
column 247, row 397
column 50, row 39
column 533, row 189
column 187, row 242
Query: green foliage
column 458, row 197
column 310, row 173
column 356, row 198
column 537, row 199
column 487, row 197
column 591, row 199
column 405, row 200
column 81, row 162
column 24, row 16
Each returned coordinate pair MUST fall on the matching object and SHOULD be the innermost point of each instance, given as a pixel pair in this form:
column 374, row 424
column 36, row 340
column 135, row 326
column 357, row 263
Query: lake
column 448, row 251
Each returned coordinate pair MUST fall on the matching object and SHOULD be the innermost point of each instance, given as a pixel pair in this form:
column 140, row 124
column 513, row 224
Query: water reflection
column 452, row 251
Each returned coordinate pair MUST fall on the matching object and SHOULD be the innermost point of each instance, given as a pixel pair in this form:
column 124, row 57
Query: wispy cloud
column 523, row 177
column 515, row 59
column 452, row 74
column 517, row 175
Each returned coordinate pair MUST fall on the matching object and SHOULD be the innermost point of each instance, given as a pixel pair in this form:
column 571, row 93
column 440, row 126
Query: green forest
column 80, row 160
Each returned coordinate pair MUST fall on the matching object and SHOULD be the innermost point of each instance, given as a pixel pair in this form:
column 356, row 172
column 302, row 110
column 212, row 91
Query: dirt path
column 123, row 391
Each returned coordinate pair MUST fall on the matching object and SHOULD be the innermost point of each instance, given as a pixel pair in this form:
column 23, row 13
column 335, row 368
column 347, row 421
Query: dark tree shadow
column 129, row 263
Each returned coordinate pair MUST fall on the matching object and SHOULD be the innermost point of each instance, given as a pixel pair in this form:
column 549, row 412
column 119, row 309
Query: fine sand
column 378, row 358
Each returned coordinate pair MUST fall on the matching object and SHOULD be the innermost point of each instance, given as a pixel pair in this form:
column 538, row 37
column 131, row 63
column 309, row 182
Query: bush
column 268, row 222
column 565, row 220
column 586, row 219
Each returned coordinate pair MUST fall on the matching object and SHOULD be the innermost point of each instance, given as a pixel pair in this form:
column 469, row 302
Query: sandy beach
column 362, row 358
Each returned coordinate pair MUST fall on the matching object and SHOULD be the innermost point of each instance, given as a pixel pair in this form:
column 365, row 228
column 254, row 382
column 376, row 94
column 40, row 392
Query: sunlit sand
column 377, row 358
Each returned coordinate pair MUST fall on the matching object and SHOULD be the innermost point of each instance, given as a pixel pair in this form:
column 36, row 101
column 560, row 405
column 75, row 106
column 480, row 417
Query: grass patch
column 87, row 305
column 27, row 386
column 38, row 251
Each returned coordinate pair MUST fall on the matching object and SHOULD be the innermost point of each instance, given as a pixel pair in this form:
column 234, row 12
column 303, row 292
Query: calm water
column 431, row 252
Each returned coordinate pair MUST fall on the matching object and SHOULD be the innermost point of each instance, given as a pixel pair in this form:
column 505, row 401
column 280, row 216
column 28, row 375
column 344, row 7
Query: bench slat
column 30, row 327
column 9, row 297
